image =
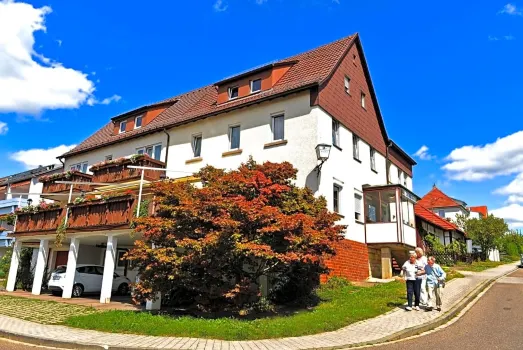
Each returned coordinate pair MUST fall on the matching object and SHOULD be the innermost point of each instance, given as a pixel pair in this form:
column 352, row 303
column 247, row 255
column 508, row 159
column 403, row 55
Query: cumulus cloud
column 510, row 9
column 482, row 162
column 220, row 6
column 515, row 199
column 423, row 153
column 515, row 187
column 32, row 158
column 513, row 215
column 3, row 128
column 29, row 81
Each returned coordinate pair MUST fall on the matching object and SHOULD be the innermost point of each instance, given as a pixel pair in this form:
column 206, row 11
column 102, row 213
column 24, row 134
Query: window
column 278, row 127
column 363, row 99
column 356, row 147
column 380, row 206
column 234, row 137
column 358, row 205
column 373, row 159
column 109, row 157
column 138, row 122
column 197, row 145
column 441, row 213
column 82, row 167
column 405, row 179
column 233, row 92
column 153, row 151
column 400, row 176
column 336, row 133
column 407, row 210
column 256, row 85
column 347, row 85
column 336, row 199
column 123, row 125
column 389, row 175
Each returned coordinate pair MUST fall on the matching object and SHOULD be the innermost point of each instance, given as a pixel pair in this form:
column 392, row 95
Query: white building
column 277, row 112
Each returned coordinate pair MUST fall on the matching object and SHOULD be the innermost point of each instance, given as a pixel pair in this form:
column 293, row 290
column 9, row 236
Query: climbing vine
column 60, row 233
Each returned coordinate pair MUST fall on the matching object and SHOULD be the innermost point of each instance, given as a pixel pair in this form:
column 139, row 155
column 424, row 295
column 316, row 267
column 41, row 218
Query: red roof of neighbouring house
column 437, row 199
column 434, row 219
column 307, row 69
column 482, row 209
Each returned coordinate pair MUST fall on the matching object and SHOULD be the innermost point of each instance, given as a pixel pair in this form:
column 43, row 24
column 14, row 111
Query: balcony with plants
column 50, row 185
column 117, row 170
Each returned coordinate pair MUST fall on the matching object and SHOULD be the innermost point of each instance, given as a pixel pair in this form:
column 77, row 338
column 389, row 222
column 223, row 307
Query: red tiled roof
column 437, row 199
column 482, row 209
column 308, row 69
column 434, row 219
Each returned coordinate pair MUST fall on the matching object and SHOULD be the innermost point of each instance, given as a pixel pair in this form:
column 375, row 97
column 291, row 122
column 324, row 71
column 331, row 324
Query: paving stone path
column 364, row 331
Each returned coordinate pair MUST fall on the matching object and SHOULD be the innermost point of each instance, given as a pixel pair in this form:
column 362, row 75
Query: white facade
column 450, row 212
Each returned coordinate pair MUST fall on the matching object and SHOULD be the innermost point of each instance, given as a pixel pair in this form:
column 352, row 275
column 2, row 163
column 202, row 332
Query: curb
column 406, row 333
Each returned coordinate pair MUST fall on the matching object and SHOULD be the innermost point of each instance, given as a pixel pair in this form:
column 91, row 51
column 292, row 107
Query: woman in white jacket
column 421, row 259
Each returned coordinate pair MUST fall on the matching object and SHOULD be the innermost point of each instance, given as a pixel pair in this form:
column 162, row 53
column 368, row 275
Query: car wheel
column 78, row 290
column 123, row 289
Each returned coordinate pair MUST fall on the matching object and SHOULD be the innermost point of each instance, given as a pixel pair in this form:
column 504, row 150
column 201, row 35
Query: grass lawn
column 452, row 273
column 478, row 266
column 341, row 306
column 46, row 312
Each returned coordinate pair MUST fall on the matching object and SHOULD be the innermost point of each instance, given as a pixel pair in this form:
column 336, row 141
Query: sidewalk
column 368, row 331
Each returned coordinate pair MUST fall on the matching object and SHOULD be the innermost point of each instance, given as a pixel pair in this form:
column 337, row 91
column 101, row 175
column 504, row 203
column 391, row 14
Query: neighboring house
column 283, row 111
column 429, row 223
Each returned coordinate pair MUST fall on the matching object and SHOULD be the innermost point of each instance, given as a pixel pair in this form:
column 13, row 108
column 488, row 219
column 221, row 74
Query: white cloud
column 515, row 187
column 32, row 158
column 29, row 81
column 477, row 163
column 220, row 6
column 59, row 42
column 515, row 199
column 513, row 214
column 498, row 38
column 261, row 2
column 423, row 153
column 3, row 128
column 493, row 38
column 510, row 9
column 114, row 98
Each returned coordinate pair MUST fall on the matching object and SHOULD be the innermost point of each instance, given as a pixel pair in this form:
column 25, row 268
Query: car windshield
column 60, row 269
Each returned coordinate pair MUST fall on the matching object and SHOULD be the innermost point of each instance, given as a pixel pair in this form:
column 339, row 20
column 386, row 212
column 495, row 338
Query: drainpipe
column 167, row 146
column 387, row 170
column 61, row 161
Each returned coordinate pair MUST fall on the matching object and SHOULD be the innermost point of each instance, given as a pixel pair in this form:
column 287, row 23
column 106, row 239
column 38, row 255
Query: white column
column 41, row 261
column 110, row 262
column 154, row 304
column 71, row 268
column 13, row 269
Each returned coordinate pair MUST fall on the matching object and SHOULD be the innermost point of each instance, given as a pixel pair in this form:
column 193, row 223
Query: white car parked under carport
column 88, row 279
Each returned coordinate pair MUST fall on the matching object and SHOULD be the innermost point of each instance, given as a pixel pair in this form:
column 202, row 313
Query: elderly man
column 435, row 282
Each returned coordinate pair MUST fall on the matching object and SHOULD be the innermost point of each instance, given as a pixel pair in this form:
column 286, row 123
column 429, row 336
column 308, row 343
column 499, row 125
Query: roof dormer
column 138, row 118
column 251, row 82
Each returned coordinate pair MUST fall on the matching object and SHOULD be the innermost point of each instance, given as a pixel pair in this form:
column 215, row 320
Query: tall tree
column 485, row 232
column 216, row 240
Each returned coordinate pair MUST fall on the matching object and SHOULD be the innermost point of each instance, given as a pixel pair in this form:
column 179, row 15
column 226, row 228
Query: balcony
column 118, row 171
column 50, row 185
column 389, row 215
column 43, row 221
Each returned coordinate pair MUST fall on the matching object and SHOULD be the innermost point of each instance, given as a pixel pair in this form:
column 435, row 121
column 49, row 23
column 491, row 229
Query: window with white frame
column 82, row 167
column 335, row 133
column 123, row 126
column 233, row 92
column 373, row 159
column 336, row 198
column 153, row 151
column 347, row 84
column 358, row 206
column 441, row 213
column 278, row 127
column 363, row 99
column 400, row 176
column 234, row 137
column 138, row 122
column 197, row 145
column 356, row 147
column 256, row 85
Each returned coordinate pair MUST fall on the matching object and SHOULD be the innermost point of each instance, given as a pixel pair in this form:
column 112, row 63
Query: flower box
column 118, row 171
column 50, row 185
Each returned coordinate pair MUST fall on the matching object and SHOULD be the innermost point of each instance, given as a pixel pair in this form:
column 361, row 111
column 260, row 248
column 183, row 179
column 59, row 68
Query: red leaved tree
column 210, row 244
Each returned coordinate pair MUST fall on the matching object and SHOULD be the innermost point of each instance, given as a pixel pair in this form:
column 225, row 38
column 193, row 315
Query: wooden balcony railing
column 43, row 221
column 118, row 171
column 50, row 185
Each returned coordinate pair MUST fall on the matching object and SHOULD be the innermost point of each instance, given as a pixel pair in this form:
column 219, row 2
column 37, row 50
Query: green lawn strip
column 45, row 312
column 478, row 266
column 340, row 307
column 452, row 273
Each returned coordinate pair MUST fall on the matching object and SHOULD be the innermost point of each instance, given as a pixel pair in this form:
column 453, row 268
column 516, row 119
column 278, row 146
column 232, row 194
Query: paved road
column 10, row 345
column 494, row 322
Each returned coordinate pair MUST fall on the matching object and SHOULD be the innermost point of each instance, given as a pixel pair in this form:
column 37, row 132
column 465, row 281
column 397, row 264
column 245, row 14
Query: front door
column 61, row 258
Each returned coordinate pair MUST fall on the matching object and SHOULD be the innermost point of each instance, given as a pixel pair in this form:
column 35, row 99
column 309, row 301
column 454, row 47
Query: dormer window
column 233, row 92
column 123, row 125
column 138, row 122
column 256, row 85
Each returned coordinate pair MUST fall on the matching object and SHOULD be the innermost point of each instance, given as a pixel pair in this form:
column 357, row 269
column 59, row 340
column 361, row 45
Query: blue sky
column 447, row 74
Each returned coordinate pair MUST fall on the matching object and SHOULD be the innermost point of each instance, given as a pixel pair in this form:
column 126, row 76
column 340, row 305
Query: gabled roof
column 308, row 69
column 482, row 209
column 437, row 199
column 29, row 174
column 434, row 219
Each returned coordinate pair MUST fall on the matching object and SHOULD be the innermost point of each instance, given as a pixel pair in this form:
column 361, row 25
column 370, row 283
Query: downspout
column 167, row 146
column 387, row 162
column 61, row 161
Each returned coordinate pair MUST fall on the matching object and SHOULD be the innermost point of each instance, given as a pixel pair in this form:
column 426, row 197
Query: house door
column 61, row 258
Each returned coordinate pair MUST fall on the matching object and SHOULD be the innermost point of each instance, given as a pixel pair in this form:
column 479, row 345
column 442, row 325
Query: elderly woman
column 422, row 284
column 435, row 281
column 411, row 271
